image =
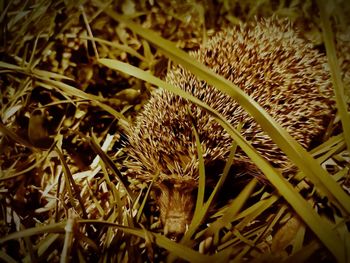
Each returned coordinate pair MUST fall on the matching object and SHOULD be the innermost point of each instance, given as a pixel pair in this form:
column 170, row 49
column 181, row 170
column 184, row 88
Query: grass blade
column 201, row 180
column 335, row 71
column 52, row 228
column 234, row 208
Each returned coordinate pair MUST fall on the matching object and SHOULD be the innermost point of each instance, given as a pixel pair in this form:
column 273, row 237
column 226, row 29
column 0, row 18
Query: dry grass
column 63, row 193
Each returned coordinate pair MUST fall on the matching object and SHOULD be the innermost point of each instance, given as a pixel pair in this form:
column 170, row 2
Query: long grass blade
column 335, row 70
column 196, row 221
column 201, row 180
column 7, row 258
column 52, row 228
column 109, row 163
column 69, row 180
column 232, row 211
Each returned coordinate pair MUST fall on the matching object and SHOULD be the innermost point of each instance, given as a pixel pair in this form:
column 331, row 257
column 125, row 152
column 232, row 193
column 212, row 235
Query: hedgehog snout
column 176, row 208
column 175, row 227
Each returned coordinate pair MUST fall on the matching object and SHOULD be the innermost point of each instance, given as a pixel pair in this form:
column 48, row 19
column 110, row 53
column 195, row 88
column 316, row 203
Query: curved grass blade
column 67, row 89
column 109, row 163
column 196, row 221
column 7, row 258
column 46, row 76
column 335, row 71
column 121, row 47
column 143, row 203
column 52, row 228
column 6, row 131
column 201, row 180
column 69, row 180
column 232, row 211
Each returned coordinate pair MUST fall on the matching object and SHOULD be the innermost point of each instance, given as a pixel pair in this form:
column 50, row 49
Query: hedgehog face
column 176, row 203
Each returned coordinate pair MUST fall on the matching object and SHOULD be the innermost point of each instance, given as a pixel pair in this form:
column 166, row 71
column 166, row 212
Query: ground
column 63, row 190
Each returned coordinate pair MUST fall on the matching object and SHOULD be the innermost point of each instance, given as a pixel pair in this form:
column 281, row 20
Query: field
column 73, row 75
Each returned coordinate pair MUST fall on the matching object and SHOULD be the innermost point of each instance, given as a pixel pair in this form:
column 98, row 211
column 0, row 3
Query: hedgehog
column 269, row 61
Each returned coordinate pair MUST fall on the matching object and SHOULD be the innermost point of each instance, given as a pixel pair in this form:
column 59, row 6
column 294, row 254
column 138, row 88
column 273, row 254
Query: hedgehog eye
column 165, row 184
column 157, row 190
column 303, row 119
column 175, row 131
